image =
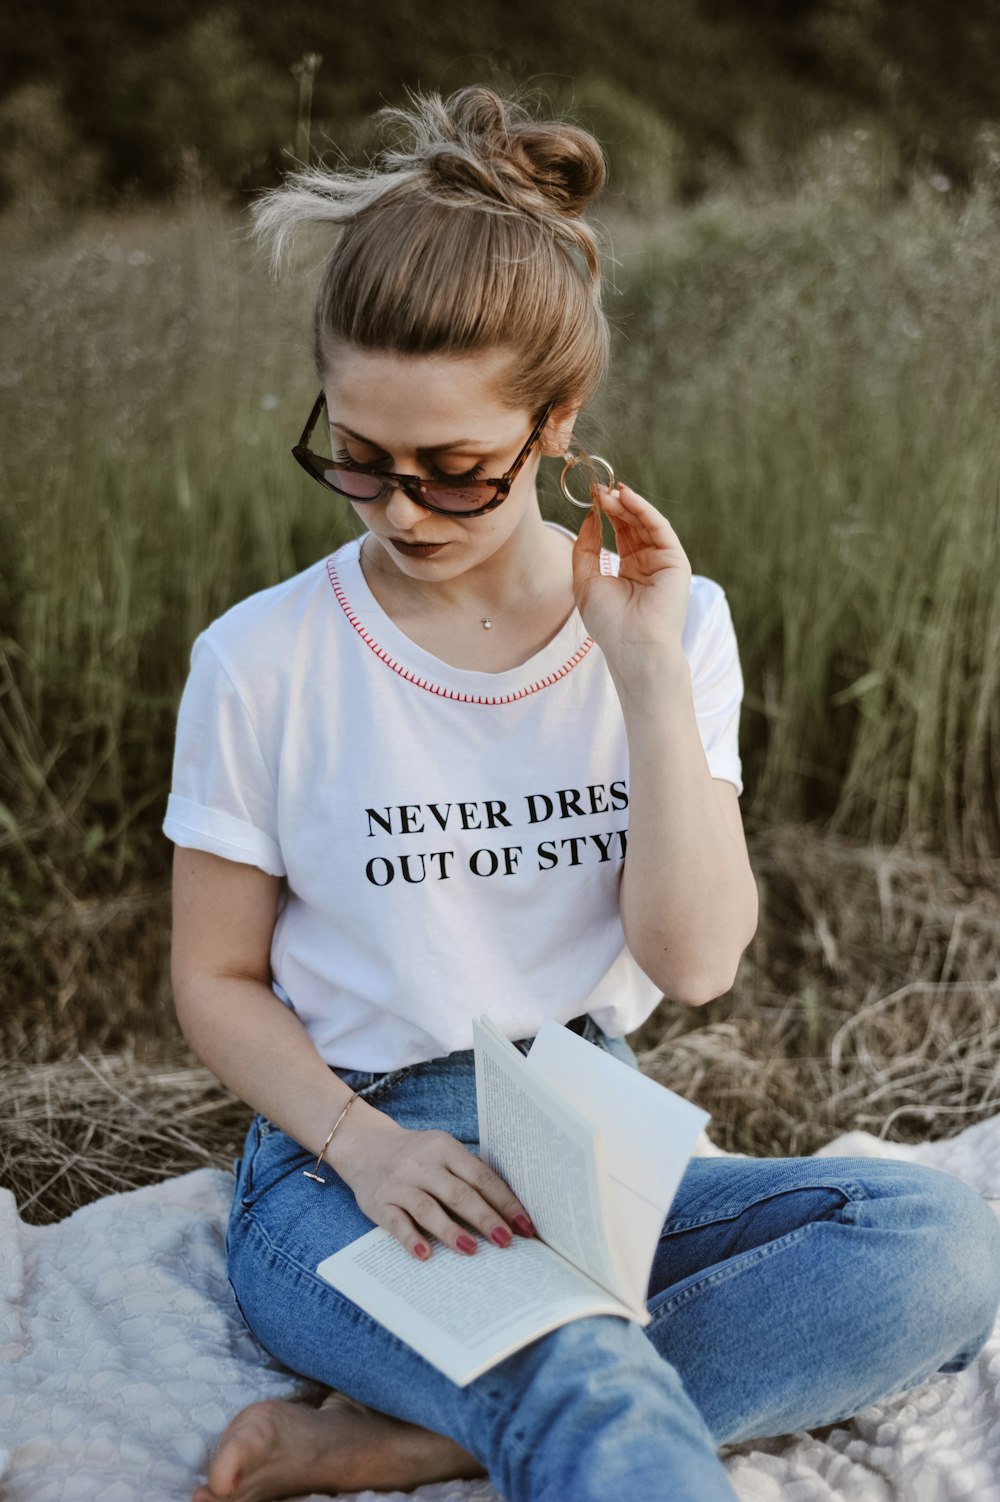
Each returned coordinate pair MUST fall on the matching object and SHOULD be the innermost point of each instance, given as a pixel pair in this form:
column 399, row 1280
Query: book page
column 464, row 1314
column 548, row 1153
column 649, row 1134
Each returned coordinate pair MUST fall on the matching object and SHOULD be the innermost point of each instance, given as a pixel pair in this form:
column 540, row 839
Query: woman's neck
column 532, row 564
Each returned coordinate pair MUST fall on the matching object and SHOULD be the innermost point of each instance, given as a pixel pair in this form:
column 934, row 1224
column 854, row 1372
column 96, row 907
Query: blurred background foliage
column 103, row 100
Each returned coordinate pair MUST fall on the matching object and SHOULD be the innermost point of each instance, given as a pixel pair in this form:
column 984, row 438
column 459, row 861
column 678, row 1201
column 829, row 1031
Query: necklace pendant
column 487, row 623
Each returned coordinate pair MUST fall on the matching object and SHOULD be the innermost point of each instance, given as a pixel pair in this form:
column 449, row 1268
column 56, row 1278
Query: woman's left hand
column 645, row 607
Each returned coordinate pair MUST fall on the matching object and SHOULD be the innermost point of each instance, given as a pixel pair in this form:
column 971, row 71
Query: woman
column 471, row 763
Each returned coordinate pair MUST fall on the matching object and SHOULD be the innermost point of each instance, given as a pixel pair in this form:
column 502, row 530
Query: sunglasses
column 361, row 482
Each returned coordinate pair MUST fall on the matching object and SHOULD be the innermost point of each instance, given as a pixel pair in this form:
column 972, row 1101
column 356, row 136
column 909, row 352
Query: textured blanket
column 123, row 1357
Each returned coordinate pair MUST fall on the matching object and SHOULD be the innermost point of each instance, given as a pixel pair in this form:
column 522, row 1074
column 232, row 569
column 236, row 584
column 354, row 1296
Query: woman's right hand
column 413, row 1182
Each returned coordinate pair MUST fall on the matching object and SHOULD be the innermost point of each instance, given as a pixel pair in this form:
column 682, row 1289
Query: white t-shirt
column 452, row 840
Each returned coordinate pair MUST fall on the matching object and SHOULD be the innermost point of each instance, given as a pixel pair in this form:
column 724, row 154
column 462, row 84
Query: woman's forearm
column 259, row 1049
column 403, row 1180
column 688, row 896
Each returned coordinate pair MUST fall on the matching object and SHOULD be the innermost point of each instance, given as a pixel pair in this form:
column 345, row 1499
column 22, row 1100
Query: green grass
column 810, row 391
column 808, row 388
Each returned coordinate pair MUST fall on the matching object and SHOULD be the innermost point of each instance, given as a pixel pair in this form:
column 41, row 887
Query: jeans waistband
column 364, row 1081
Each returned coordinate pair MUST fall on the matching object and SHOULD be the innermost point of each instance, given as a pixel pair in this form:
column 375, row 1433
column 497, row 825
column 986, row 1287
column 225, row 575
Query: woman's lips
column 418, row 549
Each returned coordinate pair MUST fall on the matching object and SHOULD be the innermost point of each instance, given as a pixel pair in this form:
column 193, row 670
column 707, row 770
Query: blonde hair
column 468, row 236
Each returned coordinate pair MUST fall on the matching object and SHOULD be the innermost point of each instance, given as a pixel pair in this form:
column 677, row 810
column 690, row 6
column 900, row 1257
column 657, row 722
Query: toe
column 223, row 1476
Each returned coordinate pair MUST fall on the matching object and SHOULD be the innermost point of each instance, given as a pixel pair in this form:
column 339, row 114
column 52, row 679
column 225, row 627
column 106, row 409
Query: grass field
column 808, row 387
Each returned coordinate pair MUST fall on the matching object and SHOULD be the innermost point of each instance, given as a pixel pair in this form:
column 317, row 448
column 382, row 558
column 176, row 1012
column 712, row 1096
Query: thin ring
column 571, row 464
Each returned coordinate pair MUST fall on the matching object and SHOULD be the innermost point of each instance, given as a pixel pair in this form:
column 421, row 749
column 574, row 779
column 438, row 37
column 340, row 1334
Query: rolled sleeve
column 223, row 796
column 717, row 685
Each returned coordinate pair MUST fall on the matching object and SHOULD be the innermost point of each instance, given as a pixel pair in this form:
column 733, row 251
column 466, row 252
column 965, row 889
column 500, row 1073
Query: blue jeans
column 786, row 1294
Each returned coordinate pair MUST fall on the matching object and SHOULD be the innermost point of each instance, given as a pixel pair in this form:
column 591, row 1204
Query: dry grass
column 869, row 998
column 76, row 1129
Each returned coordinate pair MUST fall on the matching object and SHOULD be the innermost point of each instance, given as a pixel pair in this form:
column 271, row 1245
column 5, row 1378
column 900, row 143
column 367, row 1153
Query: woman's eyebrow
column 437, row 448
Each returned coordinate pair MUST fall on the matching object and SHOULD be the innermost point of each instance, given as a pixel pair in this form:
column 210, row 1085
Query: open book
column 594, row 1150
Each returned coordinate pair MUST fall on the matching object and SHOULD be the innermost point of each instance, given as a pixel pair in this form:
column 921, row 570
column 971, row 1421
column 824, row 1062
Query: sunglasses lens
column 350, row 482
column 358, row 486
column 460, row 498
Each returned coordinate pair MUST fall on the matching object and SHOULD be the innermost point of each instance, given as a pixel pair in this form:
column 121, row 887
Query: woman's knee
column 970, row 1232
column 950, row 1253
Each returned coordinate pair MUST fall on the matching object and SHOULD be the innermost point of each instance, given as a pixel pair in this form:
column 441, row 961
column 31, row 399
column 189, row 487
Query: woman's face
column 434, row 415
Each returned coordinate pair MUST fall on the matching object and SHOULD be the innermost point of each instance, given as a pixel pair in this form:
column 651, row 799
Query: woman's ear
column 557, row 433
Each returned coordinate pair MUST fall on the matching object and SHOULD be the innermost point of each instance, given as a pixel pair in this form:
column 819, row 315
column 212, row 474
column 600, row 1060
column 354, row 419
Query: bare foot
column 283, row 1449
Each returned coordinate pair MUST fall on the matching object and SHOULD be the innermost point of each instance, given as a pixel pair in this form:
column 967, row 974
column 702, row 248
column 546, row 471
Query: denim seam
column 852, row 1192
column 361, row 1317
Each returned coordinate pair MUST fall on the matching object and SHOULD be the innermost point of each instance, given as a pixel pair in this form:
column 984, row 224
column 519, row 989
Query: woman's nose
column 401, row 512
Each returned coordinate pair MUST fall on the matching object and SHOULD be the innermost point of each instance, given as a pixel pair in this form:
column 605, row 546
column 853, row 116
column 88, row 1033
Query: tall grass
column 810, row 390
column 808, row 387
column 151, row 394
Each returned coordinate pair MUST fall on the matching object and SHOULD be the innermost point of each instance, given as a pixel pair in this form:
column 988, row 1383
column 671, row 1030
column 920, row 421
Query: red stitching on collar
column 437, row 688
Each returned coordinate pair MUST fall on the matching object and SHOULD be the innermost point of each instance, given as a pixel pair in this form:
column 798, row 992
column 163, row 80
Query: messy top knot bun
column 467, row 233
column 493, row 146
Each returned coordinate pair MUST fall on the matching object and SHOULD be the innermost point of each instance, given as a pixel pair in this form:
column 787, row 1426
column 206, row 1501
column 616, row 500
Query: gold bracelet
column 314, row 1174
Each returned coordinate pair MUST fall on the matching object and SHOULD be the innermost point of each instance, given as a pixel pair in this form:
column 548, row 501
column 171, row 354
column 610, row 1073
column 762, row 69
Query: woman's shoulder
column 270, row 627
column 707, row 599
column 262, row 640
column 709, row 636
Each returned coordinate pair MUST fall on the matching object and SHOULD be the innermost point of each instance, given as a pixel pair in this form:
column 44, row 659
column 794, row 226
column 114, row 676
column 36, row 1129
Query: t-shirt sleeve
column 223, row 797
column 717, row 683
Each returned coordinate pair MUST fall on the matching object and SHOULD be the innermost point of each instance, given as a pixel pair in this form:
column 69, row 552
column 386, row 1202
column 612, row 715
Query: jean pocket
column 269, row 1155
column 368, row 1085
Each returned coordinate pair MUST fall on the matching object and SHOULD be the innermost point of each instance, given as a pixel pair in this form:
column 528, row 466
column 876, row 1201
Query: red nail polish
column 466, row 1244
column 422, row 1249
column 524, row 1225
column 500, row 1236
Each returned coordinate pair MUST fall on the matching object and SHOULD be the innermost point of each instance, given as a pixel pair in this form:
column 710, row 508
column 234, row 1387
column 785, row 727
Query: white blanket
column 123, row 1357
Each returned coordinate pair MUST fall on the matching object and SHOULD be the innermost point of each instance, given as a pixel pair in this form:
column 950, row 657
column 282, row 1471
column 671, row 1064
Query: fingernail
column 500, row 1236
column 523, row 1224
column 466, row 1244
column 422, row 1249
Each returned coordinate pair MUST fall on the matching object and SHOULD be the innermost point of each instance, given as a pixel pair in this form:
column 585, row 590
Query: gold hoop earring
column 571, row 463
